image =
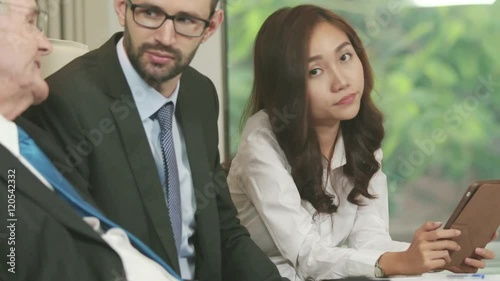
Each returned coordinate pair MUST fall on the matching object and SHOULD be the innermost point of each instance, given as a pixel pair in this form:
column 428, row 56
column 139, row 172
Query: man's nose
column 44, row 45
column 165, row 34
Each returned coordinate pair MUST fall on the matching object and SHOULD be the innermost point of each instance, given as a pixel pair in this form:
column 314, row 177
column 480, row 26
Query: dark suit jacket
column 52, row 242
column 92, row 113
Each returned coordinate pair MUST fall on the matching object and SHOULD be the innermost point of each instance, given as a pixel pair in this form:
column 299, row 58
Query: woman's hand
column 473, row 264
column 428, row 252
column 429, row 249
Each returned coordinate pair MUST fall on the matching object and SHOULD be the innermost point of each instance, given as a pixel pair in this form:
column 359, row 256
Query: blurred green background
column 437, row 81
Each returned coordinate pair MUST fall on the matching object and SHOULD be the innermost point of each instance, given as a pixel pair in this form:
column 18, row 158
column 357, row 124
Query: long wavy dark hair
column 280, row 70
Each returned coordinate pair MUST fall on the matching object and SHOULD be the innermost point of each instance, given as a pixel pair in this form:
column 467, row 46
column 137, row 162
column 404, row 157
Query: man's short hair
column 213, row 4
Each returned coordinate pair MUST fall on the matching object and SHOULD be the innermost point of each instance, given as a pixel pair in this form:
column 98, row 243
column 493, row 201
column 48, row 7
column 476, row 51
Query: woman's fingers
column 475, row 263
column 440, row 234
column 443, row 245
column 436, row 255
column 428, row 226
column 432, row 225
column 471, row 265
column 431, row 246
column 485, row 253
column 436, row 264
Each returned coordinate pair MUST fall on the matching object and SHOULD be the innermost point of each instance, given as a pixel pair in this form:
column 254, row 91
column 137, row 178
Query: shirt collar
column 9, row 137
column 338, row 158
column 147, row 99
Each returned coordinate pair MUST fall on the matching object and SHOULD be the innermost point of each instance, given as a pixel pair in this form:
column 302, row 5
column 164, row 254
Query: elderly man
column 48, row 230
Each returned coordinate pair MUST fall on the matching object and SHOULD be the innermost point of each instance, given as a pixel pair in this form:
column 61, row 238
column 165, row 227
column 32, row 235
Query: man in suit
column 48, row 230
column 140, row 126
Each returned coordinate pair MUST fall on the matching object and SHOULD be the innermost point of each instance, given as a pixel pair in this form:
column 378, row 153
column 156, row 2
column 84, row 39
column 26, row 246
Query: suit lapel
column 34, row 190
column 190, row 121
column 136, row 147
column 193, row 134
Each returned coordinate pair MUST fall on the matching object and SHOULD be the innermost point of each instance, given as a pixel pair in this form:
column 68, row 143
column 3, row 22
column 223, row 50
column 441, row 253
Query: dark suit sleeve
column 58, row 118
column 46, row 250
column 242, row 259
column 29, row 252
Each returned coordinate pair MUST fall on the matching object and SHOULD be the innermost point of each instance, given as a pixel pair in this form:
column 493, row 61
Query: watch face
column 378, row 272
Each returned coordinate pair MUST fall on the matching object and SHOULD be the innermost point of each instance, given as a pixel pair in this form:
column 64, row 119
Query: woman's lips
column 347, row 100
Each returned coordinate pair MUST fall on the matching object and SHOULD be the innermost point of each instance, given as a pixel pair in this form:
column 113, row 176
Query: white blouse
column 282, row 224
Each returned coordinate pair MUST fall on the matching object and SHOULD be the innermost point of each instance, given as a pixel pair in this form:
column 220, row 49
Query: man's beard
column 156, row 79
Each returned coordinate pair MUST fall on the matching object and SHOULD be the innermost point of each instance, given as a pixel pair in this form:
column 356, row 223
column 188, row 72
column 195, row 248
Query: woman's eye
column 315, row 72
column 345, row 57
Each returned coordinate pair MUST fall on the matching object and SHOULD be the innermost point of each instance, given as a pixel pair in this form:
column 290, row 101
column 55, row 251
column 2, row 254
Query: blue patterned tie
column 165, row 117
column 31, row 152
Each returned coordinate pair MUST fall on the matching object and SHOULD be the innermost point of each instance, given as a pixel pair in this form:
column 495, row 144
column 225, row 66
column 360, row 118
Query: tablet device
column 477, row 216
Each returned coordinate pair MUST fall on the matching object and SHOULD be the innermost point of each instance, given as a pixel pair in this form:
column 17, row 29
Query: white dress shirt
column 137, row 266
column 148, row 102
column 284, row 226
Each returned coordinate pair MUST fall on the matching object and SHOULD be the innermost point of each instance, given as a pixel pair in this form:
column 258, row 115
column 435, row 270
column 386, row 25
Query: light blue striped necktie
column 165, row 116
column 31, row 152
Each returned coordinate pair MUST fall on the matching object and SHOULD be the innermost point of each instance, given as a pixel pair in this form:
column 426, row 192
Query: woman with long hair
column 307, row 177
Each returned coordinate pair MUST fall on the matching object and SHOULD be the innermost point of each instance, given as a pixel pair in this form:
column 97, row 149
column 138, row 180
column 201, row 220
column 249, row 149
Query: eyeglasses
column 153, row 17
column 38, row 18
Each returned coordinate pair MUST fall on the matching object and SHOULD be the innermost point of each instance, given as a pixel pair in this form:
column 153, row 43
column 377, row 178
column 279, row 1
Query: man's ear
column 215, row 23
column 121, row 10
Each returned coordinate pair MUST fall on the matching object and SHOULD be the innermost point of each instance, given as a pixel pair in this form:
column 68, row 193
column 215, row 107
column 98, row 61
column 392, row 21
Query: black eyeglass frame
column 169, row 17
